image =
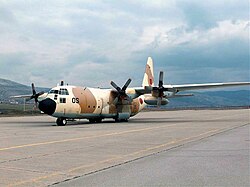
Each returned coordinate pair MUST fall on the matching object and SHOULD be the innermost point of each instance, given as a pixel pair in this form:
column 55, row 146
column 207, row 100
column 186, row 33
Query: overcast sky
column 91, row 42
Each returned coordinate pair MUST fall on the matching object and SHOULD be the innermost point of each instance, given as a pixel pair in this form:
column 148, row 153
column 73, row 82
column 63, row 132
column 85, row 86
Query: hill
column 10, row 88
column 212, row 99
column 200, row 99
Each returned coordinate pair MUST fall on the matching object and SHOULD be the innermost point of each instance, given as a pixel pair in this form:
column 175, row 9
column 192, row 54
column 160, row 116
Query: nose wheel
column 61, row 121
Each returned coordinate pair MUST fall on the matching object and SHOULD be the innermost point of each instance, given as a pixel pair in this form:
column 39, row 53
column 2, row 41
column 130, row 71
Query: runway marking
column 88, row 137
column 20, row 169
column 94, row 164
column 145, row 150
column 36, row 180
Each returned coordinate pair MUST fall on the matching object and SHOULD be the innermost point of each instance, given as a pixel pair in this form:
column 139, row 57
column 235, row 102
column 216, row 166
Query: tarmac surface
column 170, row 148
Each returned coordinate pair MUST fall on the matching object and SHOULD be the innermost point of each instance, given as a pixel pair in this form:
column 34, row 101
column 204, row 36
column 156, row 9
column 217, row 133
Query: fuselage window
column 63, row 91
column 62, row 100
column 55, row 97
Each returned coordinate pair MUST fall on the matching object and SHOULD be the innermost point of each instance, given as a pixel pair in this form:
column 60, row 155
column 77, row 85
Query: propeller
column 159, row 91
column 35, row 95
column 121, row 92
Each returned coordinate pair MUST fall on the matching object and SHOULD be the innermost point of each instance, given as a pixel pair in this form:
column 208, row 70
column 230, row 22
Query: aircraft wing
column 22, row 96
column 185, row 87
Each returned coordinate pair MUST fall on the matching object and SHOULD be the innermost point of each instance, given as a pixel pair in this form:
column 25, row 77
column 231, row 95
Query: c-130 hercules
column 73, row 102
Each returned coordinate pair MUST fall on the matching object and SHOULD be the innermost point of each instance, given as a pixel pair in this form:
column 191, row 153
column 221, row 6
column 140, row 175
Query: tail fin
column 148, row 79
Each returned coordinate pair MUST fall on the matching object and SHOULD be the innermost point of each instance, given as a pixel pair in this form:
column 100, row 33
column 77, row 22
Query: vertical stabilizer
column 148, row 79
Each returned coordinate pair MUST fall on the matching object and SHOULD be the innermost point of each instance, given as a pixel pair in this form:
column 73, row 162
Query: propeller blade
column 34, row 94
column 158, row 91
column 40, row 93
column 33, row 89
column 121, row 97
column 159, row 99
column 126, row 84
column 161, row 79
column 35, row 105
column 115, row 101
column 115, row 86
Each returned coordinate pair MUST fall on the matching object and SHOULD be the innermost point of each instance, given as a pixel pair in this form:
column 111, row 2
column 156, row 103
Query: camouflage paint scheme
column 72, row 102
column 93, row 103
column 96, row 103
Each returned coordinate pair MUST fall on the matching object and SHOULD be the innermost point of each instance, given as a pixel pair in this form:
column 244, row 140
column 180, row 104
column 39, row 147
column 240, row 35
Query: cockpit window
column 53, row 91
column 63, row 91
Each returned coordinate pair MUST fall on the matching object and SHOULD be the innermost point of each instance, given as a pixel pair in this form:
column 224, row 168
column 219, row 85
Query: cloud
column 205, row 14
column 93, row 42
column 223, row 46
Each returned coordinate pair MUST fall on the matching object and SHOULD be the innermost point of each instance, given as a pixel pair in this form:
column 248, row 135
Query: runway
column 186, row 148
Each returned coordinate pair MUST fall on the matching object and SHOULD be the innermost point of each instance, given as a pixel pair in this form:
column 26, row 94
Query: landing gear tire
column 121, row 120
column 99, row 120
column 91, row 120
column 61, row 121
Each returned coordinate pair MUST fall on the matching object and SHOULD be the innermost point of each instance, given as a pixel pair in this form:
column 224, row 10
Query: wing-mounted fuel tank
column 151, row 100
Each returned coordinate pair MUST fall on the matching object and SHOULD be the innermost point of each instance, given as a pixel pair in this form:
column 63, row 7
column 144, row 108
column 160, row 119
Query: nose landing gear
column 61, row 121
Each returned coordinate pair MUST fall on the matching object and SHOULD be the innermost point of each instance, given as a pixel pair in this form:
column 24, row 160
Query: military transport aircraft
column 73, row 102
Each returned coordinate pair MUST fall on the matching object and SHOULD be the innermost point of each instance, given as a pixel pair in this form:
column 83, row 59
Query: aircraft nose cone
column 48, row 106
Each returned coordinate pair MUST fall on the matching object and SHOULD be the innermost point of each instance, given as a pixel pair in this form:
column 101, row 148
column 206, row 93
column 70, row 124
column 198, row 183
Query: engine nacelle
column 151, row 100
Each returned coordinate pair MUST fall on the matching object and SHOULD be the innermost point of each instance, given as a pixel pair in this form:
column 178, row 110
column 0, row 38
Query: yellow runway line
column 116, row 158
column 82, row 138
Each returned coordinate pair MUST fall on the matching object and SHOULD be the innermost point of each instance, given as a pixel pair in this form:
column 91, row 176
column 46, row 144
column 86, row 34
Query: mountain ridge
column 10, row 88
column 219, row 98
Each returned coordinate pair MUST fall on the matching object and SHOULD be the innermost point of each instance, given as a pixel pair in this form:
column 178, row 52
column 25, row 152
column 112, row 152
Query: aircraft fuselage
column 73, row 102
column 89, row 103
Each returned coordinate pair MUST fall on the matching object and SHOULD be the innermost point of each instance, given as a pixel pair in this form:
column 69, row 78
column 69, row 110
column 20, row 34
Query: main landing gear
column 95, row 120
column 121, row 120
column 61, row 121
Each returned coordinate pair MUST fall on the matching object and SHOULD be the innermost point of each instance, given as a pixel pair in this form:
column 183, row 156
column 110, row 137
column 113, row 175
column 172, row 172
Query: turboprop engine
column 151, row 100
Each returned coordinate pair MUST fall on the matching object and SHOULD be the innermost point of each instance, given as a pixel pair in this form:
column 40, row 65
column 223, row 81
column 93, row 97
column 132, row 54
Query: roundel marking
column 150, row 82
column 141, row 101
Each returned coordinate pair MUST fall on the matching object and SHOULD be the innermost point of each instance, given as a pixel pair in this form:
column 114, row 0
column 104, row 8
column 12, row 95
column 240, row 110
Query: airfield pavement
column 159, row 148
